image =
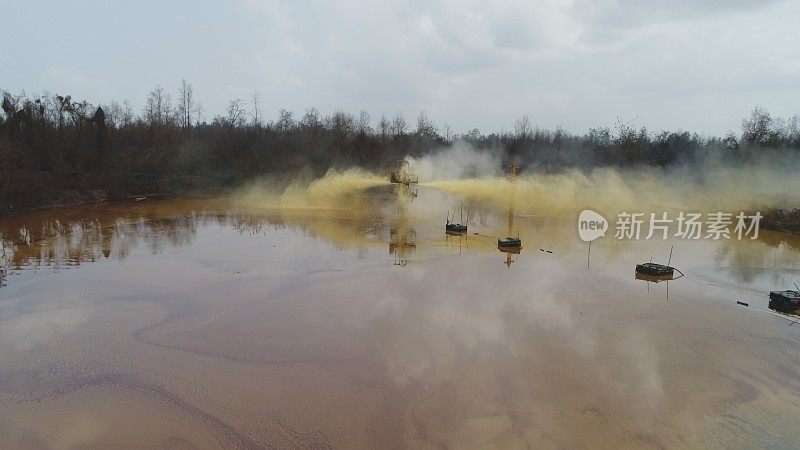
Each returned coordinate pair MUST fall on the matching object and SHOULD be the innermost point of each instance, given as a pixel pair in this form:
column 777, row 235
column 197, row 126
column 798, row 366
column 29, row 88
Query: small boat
column 456, row 228
column 785, row 296
column 509, row 242
column 784, row 300
column 654, row 269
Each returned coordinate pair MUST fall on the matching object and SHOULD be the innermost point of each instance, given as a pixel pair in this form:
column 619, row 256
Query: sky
column 696, row 65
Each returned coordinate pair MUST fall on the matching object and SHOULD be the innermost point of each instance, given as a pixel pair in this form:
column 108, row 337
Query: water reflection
column 221, row 337
column 402, row 235
column 655, row 279
column 510, row 244
column 772, row 258
column 64, row 238
column 457, row 238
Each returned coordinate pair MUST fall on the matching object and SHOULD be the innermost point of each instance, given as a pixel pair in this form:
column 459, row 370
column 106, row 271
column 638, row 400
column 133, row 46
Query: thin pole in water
column 588, row 255
column 670, row 255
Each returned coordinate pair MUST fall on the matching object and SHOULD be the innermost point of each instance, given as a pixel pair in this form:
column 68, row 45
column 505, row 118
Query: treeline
column 55, row 149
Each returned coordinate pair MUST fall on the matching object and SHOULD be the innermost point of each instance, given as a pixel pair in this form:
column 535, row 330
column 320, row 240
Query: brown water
column 206, row 323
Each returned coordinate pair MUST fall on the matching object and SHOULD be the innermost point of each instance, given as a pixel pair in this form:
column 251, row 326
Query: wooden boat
column 784, row 300
column 509, row 242
column 654, row 269
column 456, row 228
column 785, row 296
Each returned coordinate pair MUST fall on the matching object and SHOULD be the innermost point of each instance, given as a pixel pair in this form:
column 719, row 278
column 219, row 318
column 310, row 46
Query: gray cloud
column 697, row 65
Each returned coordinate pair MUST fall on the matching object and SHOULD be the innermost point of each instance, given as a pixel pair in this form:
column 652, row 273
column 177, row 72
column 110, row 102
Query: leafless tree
column 362, row 126
column 384, row 126
column 398, row 125
column 186, row 105
column 158, row 108
column 285, row 121
column 522, row 128
column 448, row 133
column 127, row 113
column 758, row 128
column 256, row 100
column 425, row 126
column 236, row 113
column 341, row 123
column 793, row 131
column 113, row 113
column 311, row 119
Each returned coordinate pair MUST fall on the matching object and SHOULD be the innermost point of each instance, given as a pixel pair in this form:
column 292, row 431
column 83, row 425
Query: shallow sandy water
column 183, row 323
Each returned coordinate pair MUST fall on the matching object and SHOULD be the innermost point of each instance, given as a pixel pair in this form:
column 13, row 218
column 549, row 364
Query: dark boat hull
column 509, row 243
column 785, row 301
column 456, row 228
column 653, row 269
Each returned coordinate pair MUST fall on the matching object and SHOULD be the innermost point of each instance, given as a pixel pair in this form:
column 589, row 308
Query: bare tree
column 127, row 113
column 362, row 125
column 398, row 125
column 522, row 128
column 342, row 123
column 758, row 128
column 236, row 113
column 425, row 126
column 384, row 126
column 731, row 144
column 113, row 113
column 311, row 119
column 448, row 133
column 158, row 108
column 186, row 105
column 256, row 99
column 285, row 121
column 793, row 131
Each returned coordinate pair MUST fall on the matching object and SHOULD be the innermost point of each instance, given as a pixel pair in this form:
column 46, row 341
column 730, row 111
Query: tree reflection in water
column 63, row 238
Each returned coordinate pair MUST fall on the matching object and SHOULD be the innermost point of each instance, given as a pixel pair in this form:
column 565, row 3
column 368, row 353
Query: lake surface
column 206, row 323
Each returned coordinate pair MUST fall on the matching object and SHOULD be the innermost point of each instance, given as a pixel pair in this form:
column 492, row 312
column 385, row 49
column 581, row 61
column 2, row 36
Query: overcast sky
column 698, row 65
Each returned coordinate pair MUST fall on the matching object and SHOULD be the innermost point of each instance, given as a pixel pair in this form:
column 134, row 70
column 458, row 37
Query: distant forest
column 57, row 150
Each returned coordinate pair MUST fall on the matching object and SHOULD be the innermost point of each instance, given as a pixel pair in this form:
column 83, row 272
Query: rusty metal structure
column 402, row 174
